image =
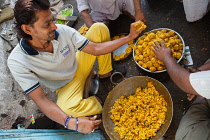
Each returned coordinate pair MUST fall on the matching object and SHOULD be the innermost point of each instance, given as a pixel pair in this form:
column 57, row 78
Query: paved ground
column 159, row 14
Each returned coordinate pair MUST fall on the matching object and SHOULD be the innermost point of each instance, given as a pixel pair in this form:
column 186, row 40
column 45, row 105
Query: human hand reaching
column 161, row 51
column 85, row 124
column 133, row 31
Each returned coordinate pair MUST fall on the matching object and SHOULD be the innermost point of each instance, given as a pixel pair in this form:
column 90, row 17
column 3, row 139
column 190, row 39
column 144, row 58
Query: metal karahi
column 128, row 87
column 154, row 31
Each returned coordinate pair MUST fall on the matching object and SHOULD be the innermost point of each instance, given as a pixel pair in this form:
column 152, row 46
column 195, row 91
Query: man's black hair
column 25, row 13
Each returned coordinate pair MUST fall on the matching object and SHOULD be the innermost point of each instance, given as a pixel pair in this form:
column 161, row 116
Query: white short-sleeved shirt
column 200, row 81
column 30, row 67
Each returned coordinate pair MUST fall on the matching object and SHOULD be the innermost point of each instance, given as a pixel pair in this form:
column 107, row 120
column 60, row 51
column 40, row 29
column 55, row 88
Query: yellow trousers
column 70, row 96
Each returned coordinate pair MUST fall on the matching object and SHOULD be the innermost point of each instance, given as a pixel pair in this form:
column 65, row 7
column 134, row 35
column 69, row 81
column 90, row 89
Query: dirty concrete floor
column 159, row 14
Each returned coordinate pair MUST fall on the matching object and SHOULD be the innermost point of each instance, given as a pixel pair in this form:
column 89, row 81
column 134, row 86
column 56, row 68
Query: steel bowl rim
column 183, row 51
column 108, row 102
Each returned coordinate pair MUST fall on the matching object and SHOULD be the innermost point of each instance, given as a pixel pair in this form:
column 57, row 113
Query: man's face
column 44, row 28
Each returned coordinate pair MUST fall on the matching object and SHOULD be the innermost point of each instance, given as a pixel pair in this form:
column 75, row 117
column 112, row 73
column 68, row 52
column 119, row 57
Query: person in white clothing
column 195, row 9
column 105, row 10
column 195, row 123
column 60, row 58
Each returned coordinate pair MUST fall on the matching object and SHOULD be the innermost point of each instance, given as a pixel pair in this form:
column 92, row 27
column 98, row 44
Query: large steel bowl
column 155, row 30
column 128, row 87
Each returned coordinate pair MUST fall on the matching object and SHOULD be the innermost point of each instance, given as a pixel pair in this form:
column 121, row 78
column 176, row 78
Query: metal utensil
column 128, row 87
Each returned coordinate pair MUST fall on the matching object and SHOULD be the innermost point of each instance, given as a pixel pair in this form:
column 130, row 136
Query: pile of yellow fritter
column 127, row 50
column 139, row 25
column 83, row 30
column 144, row 54
column 139, row 116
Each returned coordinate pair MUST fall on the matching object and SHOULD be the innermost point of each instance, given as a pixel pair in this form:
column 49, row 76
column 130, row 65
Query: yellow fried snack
column 130, row 42
column 139, row 25
column 139, row 116
column 145, row 45
column 114, row 56
column 122, row 55
column 83, row 30
column 117, row 58
column 127, row 50
column 116, row 37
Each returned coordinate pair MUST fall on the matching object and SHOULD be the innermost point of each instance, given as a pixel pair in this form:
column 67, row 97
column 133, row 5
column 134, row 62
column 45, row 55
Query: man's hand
column 134, row 33
column 85, row 124
column 161, row 51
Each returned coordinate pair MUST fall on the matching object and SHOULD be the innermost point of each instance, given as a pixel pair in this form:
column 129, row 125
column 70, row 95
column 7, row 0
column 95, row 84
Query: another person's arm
column 87, row 18
column 53, row 111
column 178, row 74
column 139, row 15
column 109, row 46
column 204, row 67
column 83, row 8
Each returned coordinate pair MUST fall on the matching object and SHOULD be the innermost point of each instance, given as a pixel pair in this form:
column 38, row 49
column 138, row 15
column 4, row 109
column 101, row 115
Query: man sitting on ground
column 61, row 59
